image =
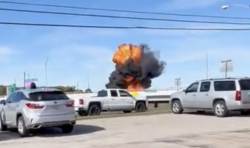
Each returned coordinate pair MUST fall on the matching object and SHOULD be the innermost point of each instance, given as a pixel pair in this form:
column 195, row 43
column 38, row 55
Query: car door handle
column 206, row 94
column 194, row 95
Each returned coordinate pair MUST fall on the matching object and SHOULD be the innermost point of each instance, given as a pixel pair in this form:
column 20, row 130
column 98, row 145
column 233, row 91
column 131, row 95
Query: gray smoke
column 150, row 67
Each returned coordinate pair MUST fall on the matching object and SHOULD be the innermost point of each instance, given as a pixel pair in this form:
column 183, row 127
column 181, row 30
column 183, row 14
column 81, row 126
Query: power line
column 121, row 17
column 127, row 11
column 121, row 27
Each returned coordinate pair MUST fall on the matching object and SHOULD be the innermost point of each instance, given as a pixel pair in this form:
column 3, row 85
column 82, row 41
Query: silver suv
column 219, row 95
column 31, row 109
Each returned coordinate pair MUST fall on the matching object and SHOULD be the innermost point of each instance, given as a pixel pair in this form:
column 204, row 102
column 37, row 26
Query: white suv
column 31, row 109
column 219, row 95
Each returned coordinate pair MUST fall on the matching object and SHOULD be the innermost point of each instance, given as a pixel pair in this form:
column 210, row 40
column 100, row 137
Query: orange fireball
column 124, row 53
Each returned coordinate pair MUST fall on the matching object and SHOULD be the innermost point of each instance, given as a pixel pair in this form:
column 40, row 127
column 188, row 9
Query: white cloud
column 190, row 33
column 5, row 54
column 60, row 35
column 213, row 54
column 188, row 4
column 92, row 56
column 5, row 51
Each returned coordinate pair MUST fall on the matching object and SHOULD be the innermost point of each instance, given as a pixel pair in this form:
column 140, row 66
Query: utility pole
column 207, row 65
column 177, row 83
column 77, row 86
column 88, row 82
column 45, row 71
column 24, row 78
column 226, row 66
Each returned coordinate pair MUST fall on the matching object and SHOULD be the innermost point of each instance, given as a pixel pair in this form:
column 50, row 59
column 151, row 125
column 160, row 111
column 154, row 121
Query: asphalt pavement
column 153, row 131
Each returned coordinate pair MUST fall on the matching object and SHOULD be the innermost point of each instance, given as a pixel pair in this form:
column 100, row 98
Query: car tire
column 245, row 112
column 176, row 107
column 220, row 109
column 21, row 128
column 3, row 127
column 94, row 110
column 66, row 129
column 127, row 111
column 140, row 107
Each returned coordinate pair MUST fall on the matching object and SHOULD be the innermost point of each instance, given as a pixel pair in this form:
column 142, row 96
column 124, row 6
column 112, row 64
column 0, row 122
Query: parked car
column 219, row 95
column 110, row 100
column 32, row 109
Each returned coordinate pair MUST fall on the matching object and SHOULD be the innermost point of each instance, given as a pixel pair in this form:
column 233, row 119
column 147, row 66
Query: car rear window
column 48, row 96
column 244, row 84
column 224, row 85
column 102, row 93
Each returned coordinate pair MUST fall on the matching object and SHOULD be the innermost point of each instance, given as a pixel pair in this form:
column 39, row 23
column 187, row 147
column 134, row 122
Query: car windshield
column 48, row 96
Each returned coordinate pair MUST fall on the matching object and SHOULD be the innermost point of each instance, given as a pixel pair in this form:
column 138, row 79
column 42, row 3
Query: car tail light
column 34, row 106
column 70, row 104
column 81, row 102
column 238, row 96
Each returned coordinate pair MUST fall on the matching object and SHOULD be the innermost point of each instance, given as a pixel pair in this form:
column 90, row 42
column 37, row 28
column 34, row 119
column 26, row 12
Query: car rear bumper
column 51, row 121
column 78, row 109
column 237, row 105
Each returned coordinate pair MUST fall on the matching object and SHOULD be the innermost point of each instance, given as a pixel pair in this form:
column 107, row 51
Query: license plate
column 55, row 108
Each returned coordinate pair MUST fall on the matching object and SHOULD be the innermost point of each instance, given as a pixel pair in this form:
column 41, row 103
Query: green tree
column 66, row 88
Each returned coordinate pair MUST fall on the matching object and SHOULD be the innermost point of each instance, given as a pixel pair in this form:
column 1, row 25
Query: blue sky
column 73, row 54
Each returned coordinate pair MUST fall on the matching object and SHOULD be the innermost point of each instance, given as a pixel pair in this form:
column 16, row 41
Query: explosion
column 135, row 67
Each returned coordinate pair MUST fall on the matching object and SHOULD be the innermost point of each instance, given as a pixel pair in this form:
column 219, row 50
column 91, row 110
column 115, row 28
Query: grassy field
column 163, row 108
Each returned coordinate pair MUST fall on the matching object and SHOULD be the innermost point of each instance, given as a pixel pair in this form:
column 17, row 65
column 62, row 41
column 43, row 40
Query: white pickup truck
column 109, row 100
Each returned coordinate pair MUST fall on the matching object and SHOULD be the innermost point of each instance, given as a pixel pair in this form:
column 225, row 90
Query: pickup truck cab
column 110, row 100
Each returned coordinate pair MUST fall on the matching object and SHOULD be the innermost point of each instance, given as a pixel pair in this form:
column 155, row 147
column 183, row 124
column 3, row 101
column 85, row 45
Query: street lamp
column 225, row 7
column 177, row 83
column 226, row 66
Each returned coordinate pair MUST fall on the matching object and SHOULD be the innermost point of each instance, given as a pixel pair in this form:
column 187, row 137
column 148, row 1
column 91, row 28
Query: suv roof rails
column 225, row 78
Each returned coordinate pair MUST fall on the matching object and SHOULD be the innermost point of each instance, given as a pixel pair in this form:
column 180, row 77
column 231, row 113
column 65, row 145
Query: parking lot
column 154, row 131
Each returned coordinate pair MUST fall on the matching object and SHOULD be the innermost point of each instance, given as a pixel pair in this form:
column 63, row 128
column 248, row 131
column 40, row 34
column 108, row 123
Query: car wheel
column 94, row 110
column 67, row 128
column 3, row 127
column 140, row 107
column 220, row 109
column 21, row 128
column 176, row 107
column 245, row 112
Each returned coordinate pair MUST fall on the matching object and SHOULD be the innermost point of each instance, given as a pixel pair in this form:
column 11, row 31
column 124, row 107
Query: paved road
column 155, row 131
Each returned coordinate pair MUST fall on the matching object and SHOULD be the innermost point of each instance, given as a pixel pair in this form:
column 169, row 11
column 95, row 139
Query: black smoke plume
column 150, row 67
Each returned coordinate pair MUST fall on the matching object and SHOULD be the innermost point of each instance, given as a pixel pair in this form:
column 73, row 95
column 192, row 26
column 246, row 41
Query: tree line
column 66, row 89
